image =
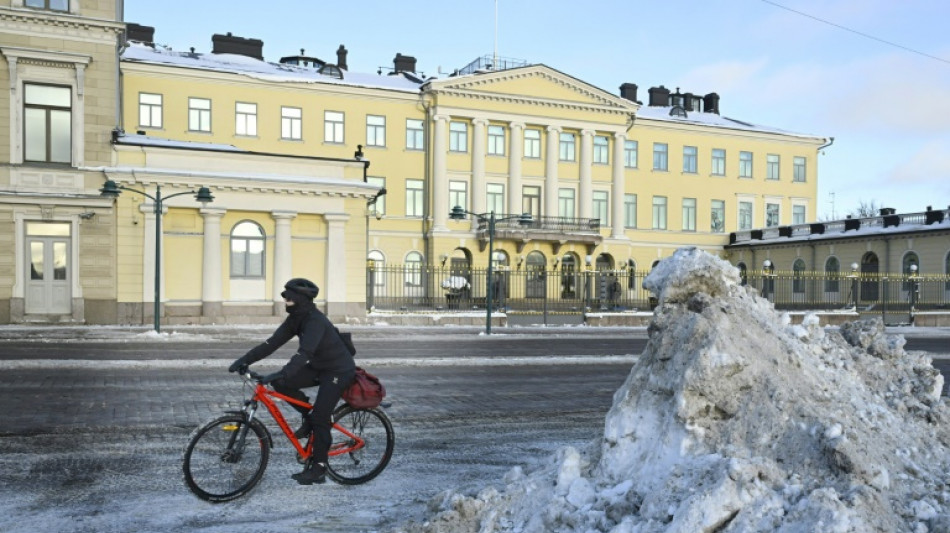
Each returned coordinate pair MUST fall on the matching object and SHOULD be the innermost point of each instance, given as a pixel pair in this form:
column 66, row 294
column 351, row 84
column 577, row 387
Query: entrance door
column 47, row 279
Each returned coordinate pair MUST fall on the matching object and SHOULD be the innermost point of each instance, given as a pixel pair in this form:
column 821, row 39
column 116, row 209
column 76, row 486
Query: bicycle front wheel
column 218, row 466
column 352, row 467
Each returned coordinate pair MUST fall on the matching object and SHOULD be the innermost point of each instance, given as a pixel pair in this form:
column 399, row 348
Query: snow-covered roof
column 263, row 70
column 662, row 113
column 147, row 140
column 838, row 229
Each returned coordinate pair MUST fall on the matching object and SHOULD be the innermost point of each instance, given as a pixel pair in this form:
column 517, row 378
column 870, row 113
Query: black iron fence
column 408, row 288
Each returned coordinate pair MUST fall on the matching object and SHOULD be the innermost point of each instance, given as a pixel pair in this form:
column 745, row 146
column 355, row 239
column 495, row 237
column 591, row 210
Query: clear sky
column 873, row 74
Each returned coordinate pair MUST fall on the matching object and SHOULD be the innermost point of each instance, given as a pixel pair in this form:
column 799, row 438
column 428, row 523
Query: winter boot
column 305, row 428
column 312, row 473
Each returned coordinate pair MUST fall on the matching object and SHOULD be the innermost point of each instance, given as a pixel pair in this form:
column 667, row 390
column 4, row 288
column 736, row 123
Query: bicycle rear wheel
column 362, row 465
column 217, row 467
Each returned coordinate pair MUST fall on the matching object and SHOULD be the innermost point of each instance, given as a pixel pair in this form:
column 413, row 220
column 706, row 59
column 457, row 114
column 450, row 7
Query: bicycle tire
column 360, row 466
column 217, row 478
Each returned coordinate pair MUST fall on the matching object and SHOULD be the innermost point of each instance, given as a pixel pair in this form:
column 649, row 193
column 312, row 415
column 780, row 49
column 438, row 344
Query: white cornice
column 11, row 18
column 44, row 56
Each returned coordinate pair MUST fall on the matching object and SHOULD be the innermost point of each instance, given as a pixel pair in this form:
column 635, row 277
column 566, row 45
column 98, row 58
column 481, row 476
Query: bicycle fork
column 232, row 454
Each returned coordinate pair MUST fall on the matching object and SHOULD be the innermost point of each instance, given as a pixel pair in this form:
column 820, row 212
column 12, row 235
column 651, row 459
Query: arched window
column 379, row 262
column 414, row 269
column 535, row 267
column 535, row 261
column 569, row 276
column 247, row 250
column 869, row 285
column 798, row 276
column 832, row 274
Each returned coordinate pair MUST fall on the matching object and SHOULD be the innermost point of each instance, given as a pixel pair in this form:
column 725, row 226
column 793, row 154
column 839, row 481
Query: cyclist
column 322, row 357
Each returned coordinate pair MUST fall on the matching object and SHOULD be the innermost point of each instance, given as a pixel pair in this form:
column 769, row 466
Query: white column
column 515, row 150
column 440, row 187
column 335, row 281
column 283, row 254
column 148, row 255
column 618, row 187
column 211, row 274
column 479, row 187
column 551, row 158
column 585, row 198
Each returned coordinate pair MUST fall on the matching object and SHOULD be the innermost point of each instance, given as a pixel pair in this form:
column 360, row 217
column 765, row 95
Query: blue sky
column 886, row 103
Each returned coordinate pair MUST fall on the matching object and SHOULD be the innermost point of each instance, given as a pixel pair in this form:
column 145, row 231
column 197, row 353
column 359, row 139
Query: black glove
column 270, row 378
column 239, row 366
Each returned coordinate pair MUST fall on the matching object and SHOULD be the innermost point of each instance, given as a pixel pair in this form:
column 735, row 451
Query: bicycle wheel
column 360, row 466
column 217, row 468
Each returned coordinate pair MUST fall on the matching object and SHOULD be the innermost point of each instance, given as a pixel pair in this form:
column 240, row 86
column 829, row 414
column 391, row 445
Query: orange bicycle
column 226, row 457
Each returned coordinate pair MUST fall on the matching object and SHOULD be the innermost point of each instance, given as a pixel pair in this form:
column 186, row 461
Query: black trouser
column 331, row 388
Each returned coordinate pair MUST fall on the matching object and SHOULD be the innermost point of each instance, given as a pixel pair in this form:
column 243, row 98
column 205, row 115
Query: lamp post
column 111, row 190
column 766, row 277
column 914, row 290
column 458, row 213
column 854, row 286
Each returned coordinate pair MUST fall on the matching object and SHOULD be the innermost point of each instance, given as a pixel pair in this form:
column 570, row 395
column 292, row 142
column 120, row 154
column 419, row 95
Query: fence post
column 371, row 285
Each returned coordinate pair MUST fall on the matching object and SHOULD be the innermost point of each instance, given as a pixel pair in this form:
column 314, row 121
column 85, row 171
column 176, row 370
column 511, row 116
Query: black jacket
column 321, row 347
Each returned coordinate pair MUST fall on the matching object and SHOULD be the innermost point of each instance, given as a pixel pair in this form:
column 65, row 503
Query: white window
column 689, row 159
column 495, row 195
column 496, row 140
column 745, row 215
column 566, row 147
column 378, row 207
column 245, row 119
column 660, row 156
column 458, row 194
column 798, row 168
column 659, row 212
column 458, row 137
column 247, row 251
column 689, row 214
column 532, row 143
column 798, row 214
column 601, row 150
column 772, row 167
column 291, row 121
column 599, row 211
column 47, row 123
column 199, row 114
column 745, row 164
column 565, row 203
column 375, row 130
column 630, row 154
column 150, row 110
column 415, row 135
column 771, row 215
column 52, row 5
column 717, row 222
column 718, row 162
column 630, row 210
column 332, row 127
column 413, row 269
column 413, row 198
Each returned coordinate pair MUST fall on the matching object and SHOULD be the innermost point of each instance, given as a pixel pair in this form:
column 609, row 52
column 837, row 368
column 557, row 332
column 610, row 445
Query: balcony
column 556, row 230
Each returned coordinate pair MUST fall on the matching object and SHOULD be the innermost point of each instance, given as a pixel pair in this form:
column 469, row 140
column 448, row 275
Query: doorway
column 48, row 269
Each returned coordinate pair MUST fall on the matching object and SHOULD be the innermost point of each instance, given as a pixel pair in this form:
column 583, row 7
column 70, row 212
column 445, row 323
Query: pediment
column 536, row 82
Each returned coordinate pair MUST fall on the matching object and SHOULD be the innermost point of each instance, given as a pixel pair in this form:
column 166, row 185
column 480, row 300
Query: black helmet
column 302, row 286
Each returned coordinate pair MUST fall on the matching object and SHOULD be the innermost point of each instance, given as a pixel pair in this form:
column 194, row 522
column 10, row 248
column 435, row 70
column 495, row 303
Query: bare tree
column 866, row 209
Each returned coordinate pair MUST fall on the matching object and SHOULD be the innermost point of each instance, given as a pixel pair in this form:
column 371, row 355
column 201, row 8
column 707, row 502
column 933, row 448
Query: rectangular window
column 150, row 110
column 531, row 200
column 495, row 196
column 413, row 198
column 332, row 127
column 717, row 222
column 772, row 167
column 565, row 203
column 458, row 194
column 659, row 212
column 660, row 156
column 771, row 215
column 599, row 211
column 414, row 134
column 532, row 143
column 798, row 214
column 690, row 153
column 601, row 150
column 291, row 123
column 378, row 207
column 47, row 123
column 630, row 154
column 245, row 119
column 52, row 5
column 689, row 214
column 566, row 147
column 375, row 130
column 798, row 168
column 199, row 114
column 745, row 215
column 458, row 137
column 718, row 162
column 496, row 140
column 745, row 164
column 630, row 210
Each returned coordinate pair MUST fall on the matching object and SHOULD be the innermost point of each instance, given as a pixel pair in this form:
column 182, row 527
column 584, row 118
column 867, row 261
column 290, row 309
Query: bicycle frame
column 267, row 396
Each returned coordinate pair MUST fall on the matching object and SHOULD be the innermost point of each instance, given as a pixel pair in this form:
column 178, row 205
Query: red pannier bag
column 365, row 392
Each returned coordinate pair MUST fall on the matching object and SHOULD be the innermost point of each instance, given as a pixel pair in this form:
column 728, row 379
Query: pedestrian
column 322, row 357
column 613, row 290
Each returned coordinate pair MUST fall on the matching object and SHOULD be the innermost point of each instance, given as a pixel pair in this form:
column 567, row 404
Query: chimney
column 688, row 105
column 341, row 57
column 229, row 44
column 404, row 63
column 629, row 91
column 659, row 96
column 141, row 34
column 711, row 103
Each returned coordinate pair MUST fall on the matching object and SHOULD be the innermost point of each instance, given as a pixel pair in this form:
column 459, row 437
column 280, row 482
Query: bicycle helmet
column 303, row 287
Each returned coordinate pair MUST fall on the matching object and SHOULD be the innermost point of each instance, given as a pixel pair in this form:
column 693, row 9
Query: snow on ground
column 734, row 420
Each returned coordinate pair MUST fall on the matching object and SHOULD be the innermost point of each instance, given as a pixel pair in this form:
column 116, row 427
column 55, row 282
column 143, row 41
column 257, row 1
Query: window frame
column 414, row 190
column 772, row 208
column 333, row 129
column 745, row 164
column 376, row 131
column 744, row 220
column 566, row 202
column 249, row 120
column 532, row 145
column 246, row 254
column 661, row 157
column 631, row 150
column 718, row 162
column 495, row 197
column 689, row 214
column 773, row 166
column 287, row 122
column 600, row 203
column 496, row 140
column 379, row 206
column 567, row 147
column 799, row 169
column 458, row 193
column 804, row 214
column 50, row 139
column 458, row 139
column 630, row 211
column 151, row 107
column 601, row 155
column 46, row 5
column 690, row 160
column 660, row 212
column 198, row 116
column 717, row 206
column 415, row 136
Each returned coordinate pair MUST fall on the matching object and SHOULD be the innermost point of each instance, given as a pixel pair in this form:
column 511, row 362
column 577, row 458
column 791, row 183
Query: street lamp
column 524, row 219
column 766, row 277
column 854, row 285
column 111, row 190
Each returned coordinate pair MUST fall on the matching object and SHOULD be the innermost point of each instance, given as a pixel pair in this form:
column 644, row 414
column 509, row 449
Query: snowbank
column 734, row 420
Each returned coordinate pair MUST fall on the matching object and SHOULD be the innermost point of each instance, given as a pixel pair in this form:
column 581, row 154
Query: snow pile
column 734, row 420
